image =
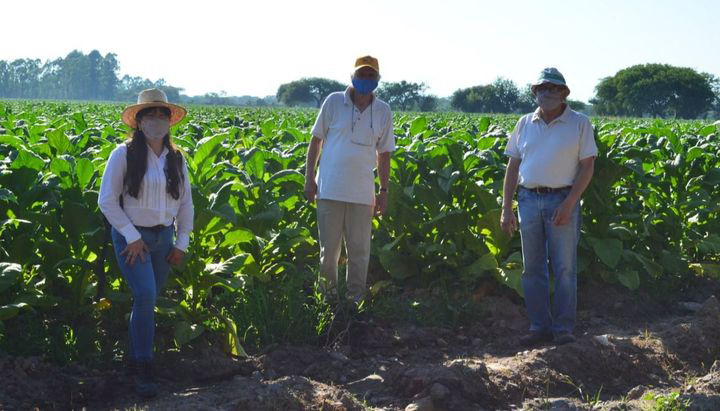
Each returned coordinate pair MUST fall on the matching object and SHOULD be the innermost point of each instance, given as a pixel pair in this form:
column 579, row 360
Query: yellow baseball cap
column 367, row 61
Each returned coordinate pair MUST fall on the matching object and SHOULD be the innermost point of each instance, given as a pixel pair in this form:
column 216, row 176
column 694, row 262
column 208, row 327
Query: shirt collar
column 564, row 117
column 162, row 155
column 348, row 100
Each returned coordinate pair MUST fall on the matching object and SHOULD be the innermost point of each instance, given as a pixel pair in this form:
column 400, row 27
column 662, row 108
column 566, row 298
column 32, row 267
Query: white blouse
column 153, row 206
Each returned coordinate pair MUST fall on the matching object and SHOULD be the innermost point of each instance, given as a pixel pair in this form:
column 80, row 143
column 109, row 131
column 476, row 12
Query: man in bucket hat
column 552, row 152
column 354, row 130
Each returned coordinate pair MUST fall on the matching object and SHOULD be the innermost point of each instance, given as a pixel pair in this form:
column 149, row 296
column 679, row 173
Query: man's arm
column 313, row 153
column 508, row 222
column 383, row 166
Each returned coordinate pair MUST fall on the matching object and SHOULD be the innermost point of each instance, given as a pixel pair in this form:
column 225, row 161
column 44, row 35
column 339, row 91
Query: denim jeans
column 540, row 240
column 146, row 280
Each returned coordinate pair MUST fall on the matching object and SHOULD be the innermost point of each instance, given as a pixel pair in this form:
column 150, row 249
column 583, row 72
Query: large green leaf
column 233, row 339
column 206, row 149
column 480, row 267
column 608, row 250
column 650, row 266
column 7, row 196
column 237, row 265
column 26, row 158
column 237, row 236
column 58, row 140
column 255, row 162
column 84, row 169
column 418, row 125
column 186, row 332
column 497, row 238
column 10, row 274
column 628, row 278
column 11, row 310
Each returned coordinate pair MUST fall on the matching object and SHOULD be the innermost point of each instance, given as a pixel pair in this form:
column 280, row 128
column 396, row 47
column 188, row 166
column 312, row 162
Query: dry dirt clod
column 423, row 404
column 438, row 392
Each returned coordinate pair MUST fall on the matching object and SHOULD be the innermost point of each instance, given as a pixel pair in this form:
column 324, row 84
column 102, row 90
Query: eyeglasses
column 553, row 88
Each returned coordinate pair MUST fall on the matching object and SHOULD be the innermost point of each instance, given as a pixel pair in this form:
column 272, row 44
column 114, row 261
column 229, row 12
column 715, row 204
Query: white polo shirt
column 550, row 154
column 351, row 142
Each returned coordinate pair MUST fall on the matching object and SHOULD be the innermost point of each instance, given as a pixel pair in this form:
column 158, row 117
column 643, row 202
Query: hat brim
column 367, row 65
column 556, row 82
column 177, row 113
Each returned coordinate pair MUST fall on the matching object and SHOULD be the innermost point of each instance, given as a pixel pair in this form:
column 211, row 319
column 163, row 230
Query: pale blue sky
column 246, row 47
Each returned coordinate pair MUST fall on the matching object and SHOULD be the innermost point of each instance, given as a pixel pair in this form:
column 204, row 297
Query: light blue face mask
column 364, row 86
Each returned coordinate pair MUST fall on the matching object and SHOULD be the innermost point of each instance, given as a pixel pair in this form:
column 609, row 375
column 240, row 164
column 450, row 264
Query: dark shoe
column 145, row 385
column 534, row 338
column 564, row 338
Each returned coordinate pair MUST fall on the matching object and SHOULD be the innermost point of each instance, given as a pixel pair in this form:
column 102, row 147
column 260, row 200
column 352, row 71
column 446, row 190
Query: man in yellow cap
column 354, row 131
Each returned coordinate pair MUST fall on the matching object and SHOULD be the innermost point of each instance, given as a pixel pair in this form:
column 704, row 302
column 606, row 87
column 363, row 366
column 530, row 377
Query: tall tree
column 401, row 95
column 501, row 96
column 307, row 90
column 654, row 89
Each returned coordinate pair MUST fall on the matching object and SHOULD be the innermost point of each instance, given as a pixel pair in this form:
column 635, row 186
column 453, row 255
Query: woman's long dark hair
column 137, row 160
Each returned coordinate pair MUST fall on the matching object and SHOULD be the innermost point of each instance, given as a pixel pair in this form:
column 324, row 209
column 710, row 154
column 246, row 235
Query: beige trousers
column 338, row 220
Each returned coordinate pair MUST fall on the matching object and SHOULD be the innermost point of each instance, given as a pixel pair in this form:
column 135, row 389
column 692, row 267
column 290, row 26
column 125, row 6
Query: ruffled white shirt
column 153, row 206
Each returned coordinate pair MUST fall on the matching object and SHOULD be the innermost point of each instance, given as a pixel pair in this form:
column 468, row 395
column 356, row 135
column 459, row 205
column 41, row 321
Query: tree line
column 658, row 90
column 92, row 76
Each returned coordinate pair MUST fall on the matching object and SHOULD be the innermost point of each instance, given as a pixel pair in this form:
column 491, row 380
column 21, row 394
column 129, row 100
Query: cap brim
column 177, row 113
column 366, row 65
column 557, row 83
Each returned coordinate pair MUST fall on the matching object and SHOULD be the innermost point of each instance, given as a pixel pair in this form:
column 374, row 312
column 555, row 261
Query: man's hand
column 175, row 256
column 310, row 190
column 381, row 203
column 134, row 250
column 562, row 214
column 508, row 222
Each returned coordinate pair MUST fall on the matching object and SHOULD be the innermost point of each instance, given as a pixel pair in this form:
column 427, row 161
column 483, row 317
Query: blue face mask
column 364, row 86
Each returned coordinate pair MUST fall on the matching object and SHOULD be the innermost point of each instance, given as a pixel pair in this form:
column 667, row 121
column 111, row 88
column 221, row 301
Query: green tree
column 526, row 100
column 577, row 105
column 428, row 103
column 307, row 90
column 501, row 96
column 654, row 89
column 402, row 95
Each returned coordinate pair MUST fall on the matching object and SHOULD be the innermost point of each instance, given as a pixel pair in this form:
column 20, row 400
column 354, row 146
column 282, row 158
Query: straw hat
column 152, row 97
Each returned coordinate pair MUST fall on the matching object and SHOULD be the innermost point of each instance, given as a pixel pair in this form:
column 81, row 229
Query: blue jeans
column 146, row 280
column 540, row 240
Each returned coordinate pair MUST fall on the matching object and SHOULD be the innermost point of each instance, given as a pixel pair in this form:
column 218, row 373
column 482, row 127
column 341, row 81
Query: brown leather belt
column 546, row 190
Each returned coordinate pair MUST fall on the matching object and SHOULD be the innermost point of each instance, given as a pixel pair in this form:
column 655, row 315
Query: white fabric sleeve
column 186, row 213
column 588, row 148
column 387, row 138
column 511, row 149
column 322, row 122
column 111, row 188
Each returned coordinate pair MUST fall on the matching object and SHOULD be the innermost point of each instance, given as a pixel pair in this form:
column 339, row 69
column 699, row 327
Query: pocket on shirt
column 366, row 140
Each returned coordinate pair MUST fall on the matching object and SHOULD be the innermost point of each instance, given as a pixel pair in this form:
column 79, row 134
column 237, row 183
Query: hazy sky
column 251, row 47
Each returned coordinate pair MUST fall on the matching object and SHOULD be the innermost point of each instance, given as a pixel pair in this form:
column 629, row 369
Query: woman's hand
column 134, row 250
column 175, row 257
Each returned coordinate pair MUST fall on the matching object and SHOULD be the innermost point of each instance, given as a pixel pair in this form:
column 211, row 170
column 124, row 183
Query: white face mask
column 155, row 128
column 548, row 100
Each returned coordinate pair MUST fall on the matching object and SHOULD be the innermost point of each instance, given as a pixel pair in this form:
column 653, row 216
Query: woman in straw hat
column 145, row 195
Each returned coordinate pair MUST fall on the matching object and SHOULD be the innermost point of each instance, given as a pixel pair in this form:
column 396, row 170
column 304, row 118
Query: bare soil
column 629, row 348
